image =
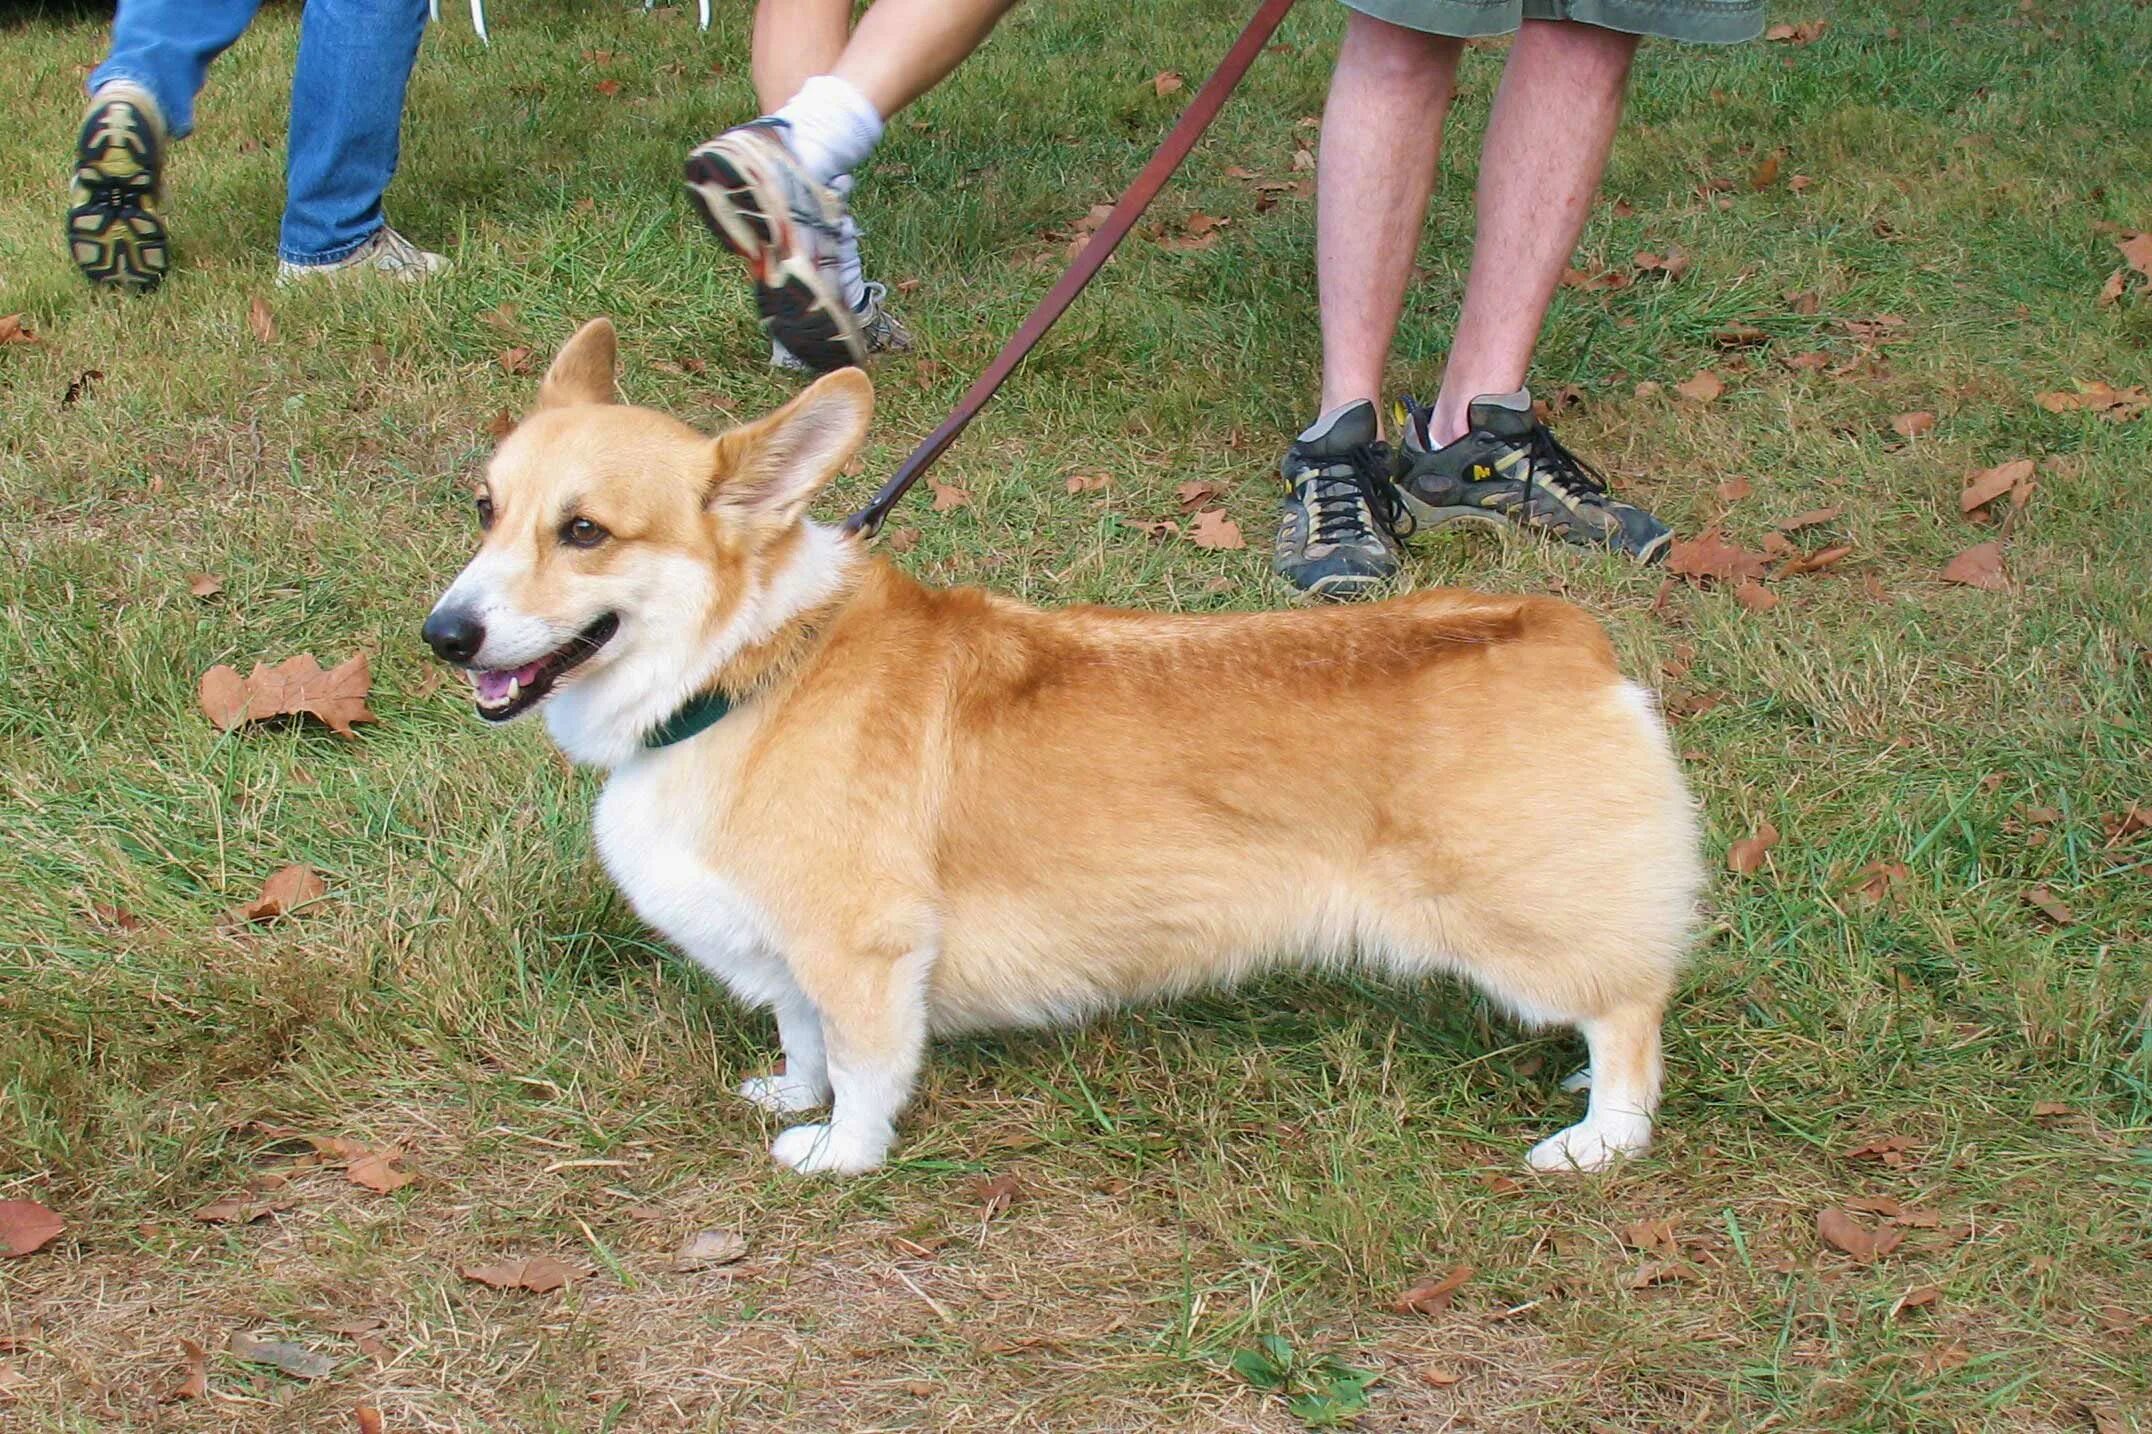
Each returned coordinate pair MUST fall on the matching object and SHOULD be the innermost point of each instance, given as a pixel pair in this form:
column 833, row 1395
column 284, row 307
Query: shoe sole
column 1429, row 517
column 746, row 212
column 114, row 234
column 1344, row 587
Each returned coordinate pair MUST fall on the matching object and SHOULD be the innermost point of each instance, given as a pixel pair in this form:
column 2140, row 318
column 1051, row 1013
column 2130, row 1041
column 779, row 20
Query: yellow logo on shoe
column 1481, row 472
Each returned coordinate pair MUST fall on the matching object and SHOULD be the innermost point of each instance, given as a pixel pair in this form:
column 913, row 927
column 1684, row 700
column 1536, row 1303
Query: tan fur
column 938, row 810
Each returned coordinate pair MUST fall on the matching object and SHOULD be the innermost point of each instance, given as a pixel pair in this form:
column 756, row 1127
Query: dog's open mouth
column 505, row 692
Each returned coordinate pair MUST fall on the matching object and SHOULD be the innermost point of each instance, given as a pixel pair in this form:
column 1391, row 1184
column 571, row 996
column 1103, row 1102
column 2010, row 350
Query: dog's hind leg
column 804, row 1082
column 1625, row 1075
column 874, row 1018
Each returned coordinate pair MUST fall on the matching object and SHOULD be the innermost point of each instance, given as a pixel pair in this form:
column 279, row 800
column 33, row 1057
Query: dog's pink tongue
column 491, row 686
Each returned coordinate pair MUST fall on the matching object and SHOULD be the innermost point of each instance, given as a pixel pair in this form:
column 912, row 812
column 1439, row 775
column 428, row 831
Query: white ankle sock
column 833, row 126
column 851, row 272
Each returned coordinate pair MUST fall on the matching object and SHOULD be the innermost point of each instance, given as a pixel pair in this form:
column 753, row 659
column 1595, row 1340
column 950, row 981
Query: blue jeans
column 347, row 95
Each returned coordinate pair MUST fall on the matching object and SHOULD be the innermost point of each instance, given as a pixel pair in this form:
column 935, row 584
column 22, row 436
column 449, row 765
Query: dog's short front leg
column 875, row 1022
column 804, row 1082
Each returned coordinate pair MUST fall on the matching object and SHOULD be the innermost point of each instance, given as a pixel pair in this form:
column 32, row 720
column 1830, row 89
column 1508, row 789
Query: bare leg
column 903, row 48
column 875, row 1020
column 793, row 40
column 1625, row 1077
column 1382, row 133
column 1547, row 144
column 804, row 1082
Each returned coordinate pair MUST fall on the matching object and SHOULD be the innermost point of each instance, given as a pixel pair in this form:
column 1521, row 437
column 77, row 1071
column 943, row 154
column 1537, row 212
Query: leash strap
column 1126, row 211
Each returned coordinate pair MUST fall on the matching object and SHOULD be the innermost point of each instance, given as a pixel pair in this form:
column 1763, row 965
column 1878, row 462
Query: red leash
column 1126, row 211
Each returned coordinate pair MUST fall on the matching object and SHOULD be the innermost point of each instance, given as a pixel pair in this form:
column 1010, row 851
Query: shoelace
column 1564, row 471
column 393, row 251
column 1360, row 479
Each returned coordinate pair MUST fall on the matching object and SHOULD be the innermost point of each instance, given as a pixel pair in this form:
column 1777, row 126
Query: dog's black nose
column 454, row 635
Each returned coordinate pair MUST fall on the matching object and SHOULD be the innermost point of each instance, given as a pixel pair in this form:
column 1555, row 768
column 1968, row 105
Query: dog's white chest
column 648, row 826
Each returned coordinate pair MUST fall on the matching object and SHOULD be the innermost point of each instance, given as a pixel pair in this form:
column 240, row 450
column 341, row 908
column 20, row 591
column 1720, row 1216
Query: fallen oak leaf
column 295, row 686
column 1764, row 175
column 1755, row 596
column 540, row 1274
column 2121, row 826
column 1738, row 336
column 1814, row 562
column 1919, row 1297
column 14, row 330
column 1985, row 486
column 378, row 1171
column 1673, row 263
column 261, row 320
column 1734, row 489
column 1213, row 530
column 1842, row 1232
column 1709, row 555
column 1980, row 566
column 707, row 1248
column 1431, row 1295
column 1166, row 82
column 1807, row 32
column 1651, row 1235
column 287, row 889
column 1747, row 854
column 1659, row 1272
column 2137, row 251
column 1812, row 518
column 27, row 1227
column 1917, row 424
column 948, row 495
column 515, row 361
column 1878, row 878
column 1088, row 483
column 2050, row 906
column 295, row 1360
column 1703, row 386
column 196, row 1383
column 205, row 585
column 368, row 1419
column 2051, row 1109
column 1890, row 1149
column 1195, row 495
column 2104, row 400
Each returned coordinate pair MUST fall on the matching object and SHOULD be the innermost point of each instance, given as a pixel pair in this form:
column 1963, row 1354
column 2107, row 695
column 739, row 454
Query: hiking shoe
column 762, row 205
column 1510, row 469
column 387, row 254
column 115, row 233
column 1339, row 525
column 883, row 331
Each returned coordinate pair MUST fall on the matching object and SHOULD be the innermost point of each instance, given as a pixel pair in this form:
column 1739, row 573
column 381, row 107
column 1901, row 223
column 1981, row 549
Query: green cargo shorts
column 1707, row 22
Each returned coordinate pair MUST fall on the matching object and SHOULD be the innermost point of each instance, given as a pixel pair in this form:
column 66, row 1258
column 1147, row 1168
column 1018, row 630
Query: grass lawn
column 1960, row 1055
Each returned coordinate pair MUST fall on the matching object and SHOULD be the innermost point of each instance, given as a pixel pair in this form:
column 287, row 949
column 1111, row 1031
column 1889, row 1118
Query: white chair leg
column 433, row 11
column 478, row 21
column 705, row 5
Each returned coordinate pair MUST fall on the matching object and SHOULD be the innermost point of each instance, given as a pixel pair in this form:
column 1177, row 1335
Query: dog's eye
column 484, row 505
column 582, row 533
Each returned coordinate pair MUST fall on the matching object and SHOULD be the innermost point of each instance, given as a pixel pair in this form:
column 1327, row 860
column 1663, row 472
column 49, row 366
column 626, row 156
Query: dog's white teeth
column 514, row 687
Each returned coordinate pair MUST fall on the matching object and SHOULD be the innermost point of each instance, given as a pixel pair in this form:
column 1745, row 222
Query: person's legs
column 903, row 48
column 1547, row 144
column 165, row 46
column 1381, row 136
column 347, row 97
column 795, row 40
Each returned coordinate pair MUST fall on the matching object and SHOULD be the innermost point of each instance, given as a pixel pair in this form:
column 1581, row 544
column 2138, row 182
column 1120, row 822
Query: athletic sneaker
column 386, row 255
column 1339, row 525
column 758, row 200
column 882, row 330
column 1509, row 468
column 115, row 233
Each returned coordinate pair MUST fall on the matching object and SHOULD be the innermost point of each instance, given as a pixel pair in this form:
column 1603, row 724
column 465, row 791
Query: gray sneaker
column 759, row 202
column 883, row 331
column 387, row 255
column 1510, row 469
column 1339, row 525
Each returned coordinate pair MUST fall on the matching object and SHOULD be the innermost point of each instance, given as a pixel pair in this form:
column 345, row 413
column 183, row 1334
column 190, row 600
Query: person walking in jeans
column 1478, row 453
column 347, row 95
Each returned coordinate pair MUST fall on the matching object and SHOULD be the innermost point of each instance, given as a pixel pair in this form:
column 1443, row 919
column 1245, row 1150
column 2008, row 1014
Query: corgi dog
column 886, row 811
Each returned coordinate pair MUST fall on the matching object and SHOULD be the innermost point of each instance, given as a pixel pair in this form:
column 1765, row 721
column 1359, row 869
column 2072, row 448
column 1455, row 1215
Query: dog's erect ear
column 583, row 370
column 768, row 471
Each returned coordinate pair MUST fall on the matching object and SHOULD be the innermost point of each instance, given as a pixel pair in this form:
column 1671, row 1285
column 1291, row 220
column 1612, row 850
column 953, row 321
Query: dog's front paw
column 826, row 1150
column 1591, row 1145
column 785, row 1094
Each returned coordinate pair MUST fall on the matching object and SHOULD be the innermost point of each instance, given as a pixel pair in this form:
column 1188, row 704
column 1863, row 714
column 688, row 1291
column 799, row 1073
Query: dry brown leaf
column 948, row 495
column 1166, row 82
column 1919, row 1297
column 1303, row 160
column 294, row 1359
column 1214, row 530
column 1913, row 425
column 1088, row 483
column 1980, row 566
column 1703, row 386
column 204, row 585
column 378, row 1171
column 1890, row 1149
column 2111, row 291
column 1764, row 175
column 368, row 1419
column 996, row 1194
column 1738, row 336
column 261, row 320
column 2123, row 825
column 515, row 361
column 1804, row 33
column 15, row 330
column 286, row 890
column 540, row 1274
column 1651, row 1235
column 2101, row 399
column 1709, row 555
column 255, row 1203
column 1673, row 263
column 501, row 424
column 2051, row 1109
column 296, row 685
column 1878, row 878
column 1754, row 596
column 1734, row 489
column 903, row 540
column 1842, row 1232
column 1157, row 527
column 1659, row 1272
column 1814, row 562
column 2137, row 252
column 1195, row 495
column 1985, row 486
column 707, row 1248
column 1433, row 1294
column 1809, row 519
column 27, row 1227
column 1438, row 1377
column 2050, row 905
column 196, row 1383
column 607, row 88
column 1747, row 854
